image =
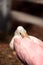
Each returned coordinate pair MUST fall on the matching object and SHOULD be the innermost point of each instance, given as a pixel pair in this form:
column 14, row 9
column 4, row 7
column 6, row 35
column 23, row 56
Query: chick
column 20, row 32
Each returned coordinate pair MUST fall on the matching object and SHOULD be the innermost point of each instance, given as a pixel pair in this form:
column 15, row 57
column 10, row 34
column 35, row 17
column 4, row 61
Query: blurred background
column 26, row 13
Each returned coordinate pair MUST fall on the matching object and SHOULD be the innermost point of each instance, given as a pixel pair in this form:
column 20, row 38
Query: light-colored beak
column 24, row 35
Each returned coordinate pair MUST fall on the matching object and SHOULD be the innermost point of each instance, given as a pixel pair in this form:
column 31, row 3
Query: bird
column 20, row 31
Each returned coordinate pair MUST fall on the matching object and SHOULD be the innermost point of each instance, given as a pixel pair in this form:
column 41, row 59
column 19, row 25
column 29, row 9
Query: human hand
column 29, row 49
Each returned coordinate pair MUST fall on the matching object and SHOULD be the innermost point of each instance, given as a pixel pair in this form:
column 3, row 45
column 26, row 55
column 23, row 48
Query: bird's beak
column 24, row 34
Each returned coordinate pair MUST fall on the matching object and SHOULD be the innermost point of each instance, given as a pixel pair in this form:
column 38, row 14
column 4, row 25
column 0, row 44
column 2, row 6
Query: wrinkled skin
column 29, row 49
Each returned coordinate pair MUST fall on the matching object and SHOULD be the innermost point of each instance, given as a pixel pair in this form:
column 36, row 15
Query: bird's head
column 20, row 31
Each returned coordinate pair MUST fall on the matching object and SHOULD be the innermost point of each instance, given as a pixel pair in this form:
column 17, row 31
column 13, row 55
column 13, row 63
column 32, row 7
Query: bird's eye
column 20, row 33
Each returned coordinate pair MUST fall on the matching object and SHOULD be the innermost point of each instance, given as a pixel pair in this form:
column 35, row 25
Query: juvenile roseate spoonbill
column 28, row 48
